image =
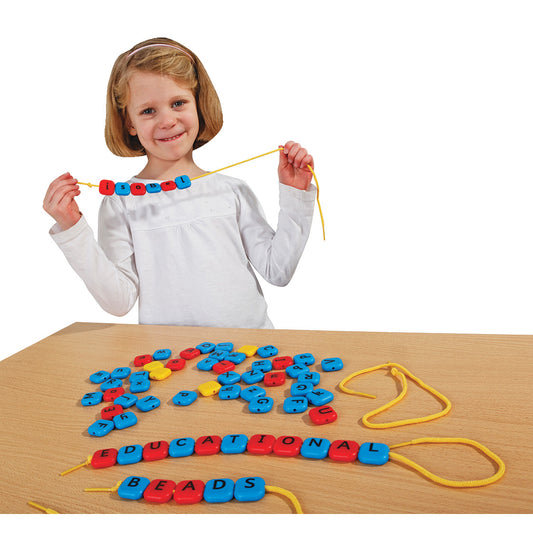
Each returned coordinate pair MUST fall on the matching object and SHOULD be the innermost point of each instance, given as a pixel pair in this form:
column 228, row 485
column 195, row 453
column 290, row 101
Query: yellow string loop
column 284, row 492
column 46, row 510
column 448, row 482
column 397, row 371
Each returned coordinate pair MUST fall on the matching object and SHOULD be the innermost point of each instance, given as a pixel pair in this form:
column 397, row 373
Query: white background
column 419, row 115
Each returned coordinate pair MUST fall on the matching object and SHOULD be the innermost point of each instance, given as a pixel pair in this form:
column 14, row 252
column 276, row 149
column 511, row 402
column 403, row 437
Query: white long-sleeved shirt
column 188, row 254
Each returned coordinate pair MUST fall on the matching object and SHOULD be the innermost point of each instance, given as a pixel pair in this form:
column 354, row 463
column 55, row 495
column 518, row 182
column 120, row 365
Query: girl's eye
column 178, row 103
column 147, row 111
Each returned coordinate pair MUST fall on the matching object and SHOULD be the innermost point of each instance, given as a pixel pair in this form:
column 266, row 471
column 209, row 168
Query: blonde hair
column 169, row 59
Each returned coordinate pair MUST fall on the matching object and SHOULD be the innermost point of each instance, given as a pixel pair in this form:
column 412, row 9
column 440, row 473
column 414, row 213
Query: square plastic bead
column 92, row 398
column 223, row 366
column 230, row 392
column 235, row 357
column 159, row 491
column 210, row 388
column 263, row 404
column 182, row 447
column 133, row 487
column 206, row 347
column 168, row 185
column 110, row 395
column 274, row 379
column 206, row 364
column 183, row 182
column 142, row 360
column 332, row 364
column 313, row 448
column 293, row 370
column 234, row 444
column 107, row 413
column 249, row 393
column 249, row 489
column 125, row 420
column 265, row 365
column 304, row 359
column 175, row 364
column 100, row 377
column 219, row 355
column 138, row 189
column 253, row 376
column 224, row 346
column 207, row 445
column 309, row 377
column 323, row 415
column 248, row 350
column 122, row 188
column 148, row 403
column 122, row 372
column 104, row 458
column 301, row 389
column 185, row 397
column 154, row 365
column 190, row 353
column 373, row 453
column 343, row 450
column 261, row 444
column 295, row 404
column 161, row 354
column 281, row 363
column 106, row 187
column 219, row 490
column 153, row 187
column 287, row 446
column 320, row 397
column 267, row 351
column 139, row 385
column 100, row 428
column 160, row 374
column 110, row 384
column 153, row 451
column 140, row 374
column 189, row 491
column 228, row 378
column 130, row 455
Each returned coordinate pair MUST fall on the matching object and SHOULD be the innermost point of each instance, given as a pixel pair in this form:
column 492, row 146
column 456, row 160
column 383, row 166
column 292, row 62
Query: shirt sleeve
column 107, row 268
column 275, row 254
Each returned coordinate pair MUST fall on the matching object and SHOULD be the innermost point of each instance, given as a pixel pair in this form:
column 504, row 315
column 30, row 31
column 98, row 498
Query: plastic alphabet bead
column 175, row 364
column 230, row 392
column 207, row 445
column 185, row 397
column 267, row 351
column 248, row 350
column 168, row 185
column 295, row 404
column 320, row 397
column 309, row 377
column 323, row 415
column 100, row 428
column 159, row 374
column 181, row 447
column 122, row 189
column 106, row 187
column 148, row 403
column 274, row 379
column 228, row 378
column 262, row 404
column 142, row 360
column 110, row 384
column 219, row 355
column 99, row 377
column 111, row 395
column 343, row 450
column 121, row 372
column 139, row 385
column 189, row 492
column 249, row 393
column 373, row 453
column 107, row 413
column 133, row 487
column 253, row 376
column 223, row 366
column 140, row 374
column 249, row 489
column 159, row 491
column 261, row 444
column 92, row 398
column 125, row 420
column 206, row 364
column 138, row 189
column 129, row 455
column 265, row 365
column 304, row 359
column 190, row 353
column 315, row 448
column 209, row 388
column 104, row 458
column 224, row 346
column 153, row 451
column 236, row 357
column 206, row 347
column 154, row 365
column 287, row 446
column 183, row 182
column 219, row 490
column 233, row 444
column 332, row 364
column 161, row 354
column 294, row 370
column 153, row 187
column 301, row 389
column 281, row 363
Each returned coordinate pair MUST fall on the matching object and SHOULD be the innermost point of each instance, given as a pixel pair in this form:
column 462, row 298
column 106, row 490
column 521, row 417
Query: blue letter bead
column 183, row 182
column 267, row 351
column 122, row 372
column 309, row 377
column 122, row 188
column 235, row 357
column 263, row 366
column 129, row 455
column 159, row 355
column 182, row 447
column 219, row 490
column 100, row 376
column 185, row 397
column 320, row 397
column 100, row 428
column 297, row 404
column 139, row 385
column 373, row 453
column 92, row 398
column 254, row 376
column 301, row 389
column 148, row 403
column 125, row 420
column 224, row 346
column 293, row 370
column 261, row 404
column 141, row 374
column 206, row 364
column 249, row 393
column 331, row 364
column 249, row 489
column 229, row 392
column 228, row 378
column 110, row 384
column 219, row 355
column 206, row 347
column 315, row 448
column 126, row 400
column 153, row 187
column 234, row 444
column 133, row 487
column 304, row 359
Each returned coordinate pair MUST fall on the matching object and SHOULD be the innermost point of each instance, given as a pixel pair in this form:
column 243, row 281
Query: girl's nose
column 166, row 120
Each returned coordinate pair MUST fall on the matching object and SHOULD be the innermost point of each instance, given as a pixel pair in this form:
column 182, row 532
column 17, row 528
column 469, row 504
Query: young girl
column 187, row 254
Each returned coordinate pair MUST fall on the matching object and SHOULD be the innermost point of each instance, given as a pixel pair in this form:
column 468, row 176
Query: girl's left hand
column 292, row 169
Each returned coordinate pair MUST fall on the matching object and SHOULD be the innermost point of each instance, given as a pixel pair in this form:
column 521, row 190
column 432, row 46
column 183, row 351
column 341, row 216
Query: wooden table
column 488, row 379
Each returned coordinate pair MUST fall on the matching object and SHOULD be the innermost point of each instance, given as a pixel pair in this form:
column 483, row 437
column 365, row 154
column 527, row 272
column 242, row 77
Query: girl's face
column 162, row 113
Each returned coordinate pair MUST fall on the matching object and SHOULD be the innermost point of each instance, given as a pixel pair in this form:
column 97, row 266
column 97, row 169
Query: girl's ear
column 130, row 127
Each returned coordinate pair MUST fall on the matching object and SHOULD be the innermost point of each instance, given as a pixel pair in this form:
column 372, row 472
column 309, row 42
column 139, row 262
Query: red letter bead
column 138, row 189
column 288, row 446
column 110, row 411
column 175, row 364
column 155, row 450
column 261, row 444
column 223, row 366
column 207, row 445
column 168, row 185
column 189, row 491
column 159, row 491
column 189, row 353
column 274, row 379
column 104, row 458
column 281, row 363
column 142, row 360
column 343, row 450
column 107, row 187
column 323, row 415
column 110, row 395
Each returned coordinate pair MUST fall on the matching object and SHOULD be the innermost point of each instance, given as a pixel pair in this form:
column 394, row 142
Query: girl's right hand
column 59, row 201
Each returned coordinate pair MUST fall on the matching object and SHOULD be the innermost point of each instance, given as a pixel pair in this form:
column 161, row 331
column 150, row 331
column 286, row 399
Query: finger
column 57, row 193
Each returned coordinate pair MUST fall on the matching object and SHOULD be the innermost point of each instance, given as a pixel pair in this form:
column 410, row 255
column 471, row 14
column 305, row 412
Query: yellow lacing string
column 397, row 374
column 85, row 463
column 448, row 482
column 41, row 508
